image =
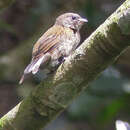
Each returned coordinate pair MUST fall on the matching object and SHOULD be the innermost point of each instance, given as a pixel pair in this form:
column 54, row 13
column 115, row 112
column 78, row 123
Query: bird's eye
column 73, row 17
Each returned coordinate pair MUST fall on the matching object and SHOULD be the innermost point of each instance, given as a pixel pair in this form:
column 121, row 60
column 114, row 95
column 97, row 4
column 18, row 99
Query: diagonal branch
column 52, row 96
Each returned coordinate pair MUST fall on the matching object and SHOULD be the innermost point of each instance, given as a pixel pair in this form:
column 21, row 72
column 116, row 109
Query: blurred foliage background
column 22, row 23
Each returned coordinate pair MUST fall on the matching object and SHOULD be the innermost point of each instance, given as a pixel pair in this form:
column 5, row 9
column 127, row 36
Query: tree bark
column 52, row 96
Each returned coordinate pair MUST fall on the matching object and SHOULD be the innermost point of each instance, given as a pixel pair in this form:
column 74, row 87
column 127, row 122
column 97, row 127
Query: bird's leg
column 61, row 59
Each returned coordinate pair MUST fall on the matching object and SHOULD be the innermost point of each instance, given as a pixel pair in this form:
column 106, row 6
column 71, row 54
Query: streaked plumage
column 59, row 41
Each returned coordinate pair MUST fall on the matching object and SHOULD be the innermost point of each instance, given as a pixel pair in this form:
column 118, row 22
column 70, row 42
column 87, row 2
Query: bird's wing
column 48, row 41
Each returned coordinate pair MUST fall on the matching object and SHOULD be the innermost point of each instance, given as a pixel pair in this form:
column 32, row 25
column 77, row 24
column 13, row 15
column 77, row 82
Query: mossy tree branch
column 52, row 96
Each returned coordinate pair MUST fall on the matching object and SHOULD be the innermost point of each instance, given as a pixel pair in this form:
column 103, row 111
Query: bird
column 57, row 43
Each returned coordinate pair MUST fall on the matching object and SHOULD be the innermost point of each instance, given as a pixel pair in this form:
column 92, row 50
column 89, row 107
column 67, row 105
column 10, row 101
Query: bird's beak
column 83, row 20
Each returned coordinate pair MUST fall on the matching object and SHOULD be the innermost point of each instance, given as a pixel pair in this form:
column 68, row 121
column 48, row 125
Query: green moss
column 123, row 16
column 2, row 122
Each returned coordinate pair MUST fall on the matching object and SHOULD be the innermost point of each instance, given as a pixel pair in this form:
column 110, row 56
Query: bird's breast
column 69, row 43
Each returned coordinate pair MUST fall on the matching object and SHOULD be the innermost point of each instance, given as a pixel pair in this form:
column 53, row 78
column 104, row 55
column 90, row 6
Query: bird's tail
column 32, row 67
column 22, row 79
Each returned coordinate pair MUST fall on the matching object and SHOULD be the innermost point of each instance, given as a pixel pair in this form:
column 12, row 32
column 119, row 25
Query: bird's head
column 71, row 20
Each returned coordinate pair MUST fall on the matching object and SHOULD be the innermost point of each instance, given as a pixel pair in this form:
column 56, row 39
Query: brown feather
column 47, row 41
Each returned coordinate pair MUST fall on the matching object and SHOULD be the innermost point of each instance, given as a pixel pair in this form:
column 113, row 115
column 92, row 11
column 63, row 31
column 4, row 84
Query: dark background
column 22, row 23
